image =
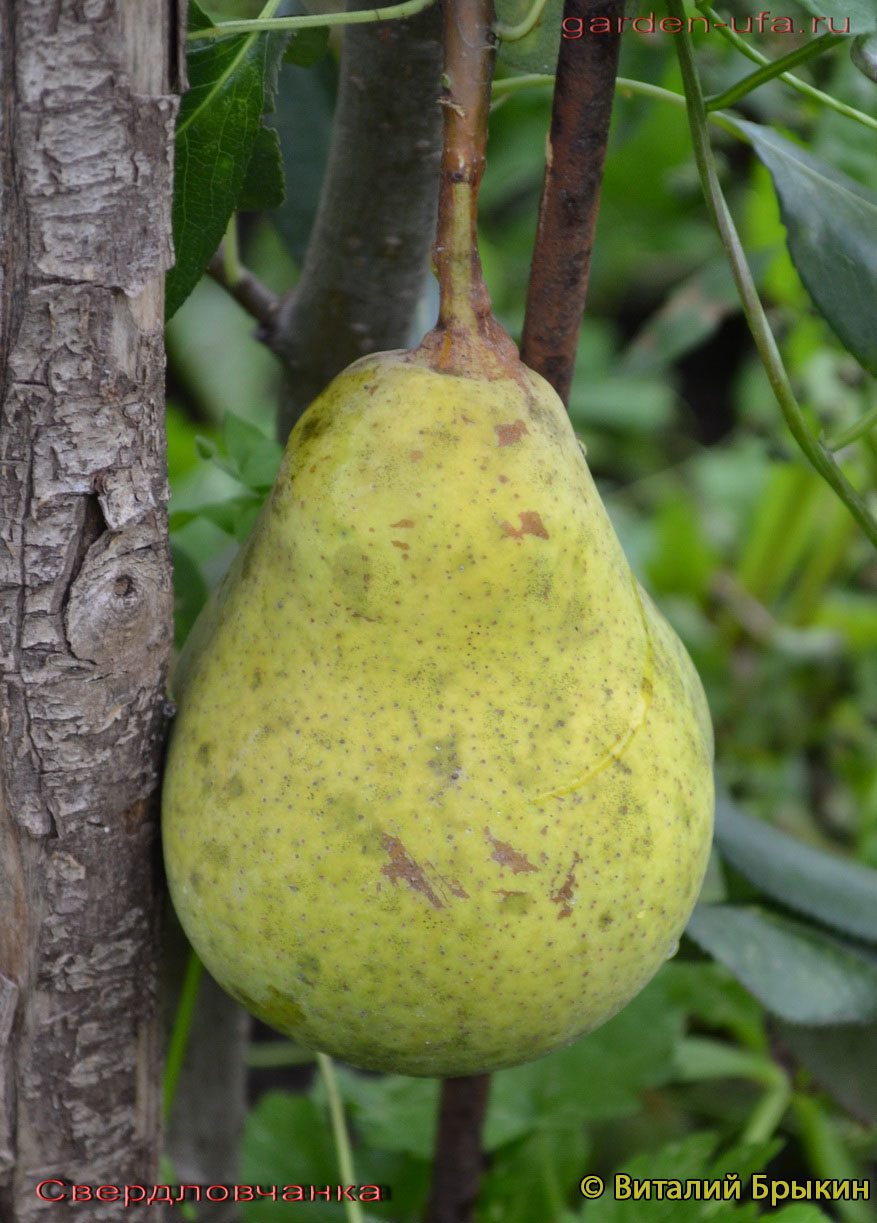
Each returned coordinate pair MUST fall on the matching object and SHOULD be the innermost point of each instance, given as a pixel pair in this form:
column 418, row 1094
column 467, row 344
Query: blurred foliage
column 760, row 570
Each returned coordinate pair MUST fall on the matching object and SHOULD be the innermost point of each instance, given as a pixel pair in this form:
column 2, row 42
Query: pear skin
column 439, row 793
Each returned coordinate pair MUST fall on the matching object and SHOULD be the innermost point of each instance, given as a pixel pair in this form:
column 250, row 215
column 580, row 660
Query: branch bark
column 367, row 256
column 86, row 148
column 583, row 94
column 459, row 1161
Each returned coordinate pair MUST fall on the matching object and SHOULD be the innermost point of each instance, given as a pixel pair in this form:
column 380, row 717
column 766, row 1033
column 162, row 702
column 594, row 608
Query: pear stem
column 470, row 49
column 464, row 303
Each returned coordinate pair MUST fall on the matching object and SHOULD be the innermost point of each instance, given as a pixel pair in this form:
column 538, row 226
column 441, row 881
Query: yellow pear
column 439, row 793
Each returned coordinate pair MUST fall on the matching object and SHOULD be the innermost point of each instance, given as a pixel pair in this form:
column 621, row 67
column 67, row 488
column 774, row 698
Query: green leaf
column 709, row 993
column 803, row 1212
column 190, row 592
column 234, row 516
column 393, row 1112
column 599, row 1076
column 531, row 1179
column 688, row 1159
column 847, row 16
column 794, row 970
column 698, row 1058
column 288, row 1142
column 264, row 185
column 254, row 457
column 841, row 1060
column 839, row 892
column 830, row 221
column 217, row 128
column 627, row 402
column 683, row 561
column 307, row 47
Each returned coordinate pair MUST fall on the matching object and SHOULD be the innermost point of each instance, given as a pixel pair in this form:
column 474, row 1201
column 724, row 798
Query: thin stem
column 512, row 84
column 353, row 1209
column 180, row 1032
column 827, row 1154
column 768, row 1111
column 787, row 78
column 512, row 33
column 856, row 430
column 308, row 21
column 773, row 69
column 625, row 86
column 820, row 459
column 247, row 290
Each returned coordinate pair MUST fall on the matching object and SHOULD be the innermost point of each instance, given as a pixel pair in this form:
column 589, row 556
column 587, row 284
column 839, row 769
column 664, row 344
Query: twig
column 787, row 78
column 248, row 291
column 367, row 255
column 816, row 454
column 775, row 68
column 309, row 21
column 458, row 1158
column 583, row 93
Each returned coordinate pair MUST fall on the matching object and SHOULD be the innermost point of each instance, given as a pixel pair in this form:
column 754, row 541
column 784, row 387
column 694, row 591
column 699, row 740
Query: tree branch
column 583, row 94
column 367, row 257
column 459, row 1161
column 248, row 291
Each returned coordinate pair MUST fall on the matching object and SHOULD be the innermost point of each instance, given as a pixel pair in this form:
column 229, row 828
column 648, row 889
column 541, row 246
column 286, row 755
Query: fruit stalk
column 465, row 324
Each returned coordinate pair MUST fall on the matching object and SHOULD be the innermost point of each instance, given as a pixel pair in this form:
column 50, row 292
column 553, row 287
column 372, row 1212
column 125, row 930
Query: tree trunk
column 86, row 147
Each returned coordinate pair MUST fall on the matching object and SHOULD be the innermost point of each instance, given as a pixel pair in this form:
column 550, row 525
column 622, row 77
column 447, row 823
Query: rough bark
column 367, row 256
column 86, row 142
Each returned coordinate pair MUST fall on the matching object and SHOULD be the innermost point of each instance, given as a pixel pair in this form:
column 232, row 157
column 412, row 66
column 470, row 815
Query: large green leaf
column 217, row 130
column 842, row 1060
column 263, row 185
column 794, row 970
column 831, row 221
column 287, row 1141
column 840, row 893
column 846, row 16
column 525, row 1176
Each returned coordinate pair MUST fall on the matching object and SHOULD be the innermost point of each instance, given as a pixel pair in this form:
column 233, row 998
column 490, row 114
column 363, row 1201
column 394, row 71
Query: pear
column 438, row 797
column 439, row 793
